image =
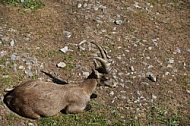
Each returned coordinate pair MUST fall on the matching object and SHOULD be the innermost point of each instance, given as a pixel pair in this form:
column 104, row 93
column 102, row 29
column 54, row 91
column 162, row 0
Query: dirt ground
column 141, row 38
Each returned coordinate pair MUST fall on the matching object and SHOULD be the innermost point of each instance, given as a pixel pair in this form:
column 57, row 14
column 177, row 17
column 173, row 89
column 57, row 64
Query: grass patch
column 74, row 119
column 9, row 81
column 162, row 116
column 32, row 4
column 52, row 53
column 98, row 116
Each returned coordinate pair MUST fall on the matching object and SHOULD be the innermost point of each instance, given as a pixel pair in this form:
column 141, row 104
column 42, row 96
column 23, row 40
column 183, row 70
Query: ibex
column 34, row 99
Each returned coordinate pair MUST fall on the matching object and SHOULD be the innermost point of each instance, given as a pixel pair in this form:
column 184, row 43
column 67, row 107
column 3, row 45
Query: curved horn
column 102, row 51
column 105, row 65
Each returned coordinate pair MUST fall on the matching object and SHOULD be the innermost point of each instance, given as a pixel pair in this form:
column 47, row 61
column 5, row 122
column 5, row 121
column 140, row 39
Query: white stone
column 61, row 65
column 65, row 49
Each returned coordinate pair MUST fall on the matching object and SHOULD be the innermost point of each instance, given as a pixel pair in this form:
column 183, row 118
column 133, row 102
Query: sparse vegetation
column 32, row 4
column 150, row 33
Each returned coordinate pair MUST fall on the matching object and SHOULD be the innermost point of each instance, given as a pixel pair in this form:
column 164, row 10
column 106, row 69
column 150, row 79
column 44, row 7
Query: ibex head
column 102, row 65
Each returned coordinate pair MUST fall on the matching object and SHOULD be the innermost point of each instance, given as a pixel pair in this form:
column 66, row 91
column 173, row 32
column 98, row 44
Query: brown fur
column 34, row 99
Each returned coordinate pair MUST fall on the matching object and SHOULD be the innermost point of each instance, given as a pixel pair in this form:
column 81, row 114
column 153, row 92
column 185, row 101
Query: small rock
column 188, row 50
column 85, row 5
column 123, row 97
column 137, row 5
column 154, row 96
column 154, row 41
column 132, row 69
column 150, row 76
column 98, row 20
column 177, row 51
column 111, row 93
column 86, row 74
column 15, row 68
column 61, row 65
column 150, row 48
column 118, row 22
column 150, row 66
column 95, row 8
column 2, row 53
column 65, row 49
column 169, row 66
column 171, row 60
column 13, row 57
column 167, row 73
column 67, row 34
column 21, row 68
column 29, row 73
column 30, row 124
column 79, row 5
column 188, row 91
column 12, row 43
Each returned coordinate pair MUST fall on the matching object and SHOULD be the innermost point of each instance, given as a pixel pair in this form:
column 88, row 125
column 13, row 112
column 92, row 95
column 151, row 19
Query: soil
column 151, row 36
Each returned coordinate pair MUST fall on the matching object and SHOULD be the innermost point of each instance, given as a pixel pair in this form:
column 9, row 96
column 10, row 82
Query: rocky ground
column 147, row 41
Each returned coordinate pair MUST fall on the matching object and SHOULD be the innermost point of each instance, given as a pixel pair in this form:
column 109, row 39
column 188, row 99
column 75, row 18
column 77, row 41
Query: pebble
column 118, row 22
column 67, row 34
column 154, row 96
column 2, row 53
column 79, row 5
column 188, row 50
column 132, row 69
column 12, row 43
column 111, row 93
column 61, row 65
column 95, row 8
column 29, row 73
column 171, row 60
column 65, row 49
column 177, row 51
column 150, row 48
column 30, row 124
column 188, row 91
column 97, row 20
column 150, row 76
column 13, row 57
column 21, row 67
column 86, row 74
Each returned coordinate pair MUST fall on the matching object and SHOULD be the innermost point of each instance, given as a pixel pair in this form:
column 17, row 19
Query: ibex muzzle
column 34, row 99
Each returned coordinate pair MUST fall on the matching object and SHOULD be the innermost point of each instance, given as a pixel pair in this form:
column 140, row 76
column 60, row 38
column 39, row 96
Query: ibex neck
column 89, row 85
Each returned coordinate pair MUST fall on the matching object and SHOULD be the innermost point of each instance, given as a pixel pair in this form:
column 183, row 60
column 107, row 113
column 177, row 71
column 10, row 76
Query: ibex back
column 35, row 99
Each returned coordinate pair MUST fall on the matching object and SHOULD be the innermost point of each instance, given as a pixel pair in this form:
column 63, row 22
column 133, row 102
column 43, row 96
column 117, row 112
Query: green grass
column 52, row 53
column 32, row 4
column 161, row 116
column 98, row 116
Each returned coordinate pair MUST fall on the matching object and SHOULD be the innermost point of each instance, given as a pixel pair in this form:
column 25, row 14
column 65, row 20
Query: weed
column 52, row 53
column 73, row 119
column 159, row 115
column 32, row 4
column 69, row 66
column 68, row 58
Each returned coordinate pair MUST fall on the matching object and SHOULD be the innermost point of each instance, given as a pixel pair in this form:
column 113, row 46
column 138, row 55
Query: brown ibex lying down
column 34, row 99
